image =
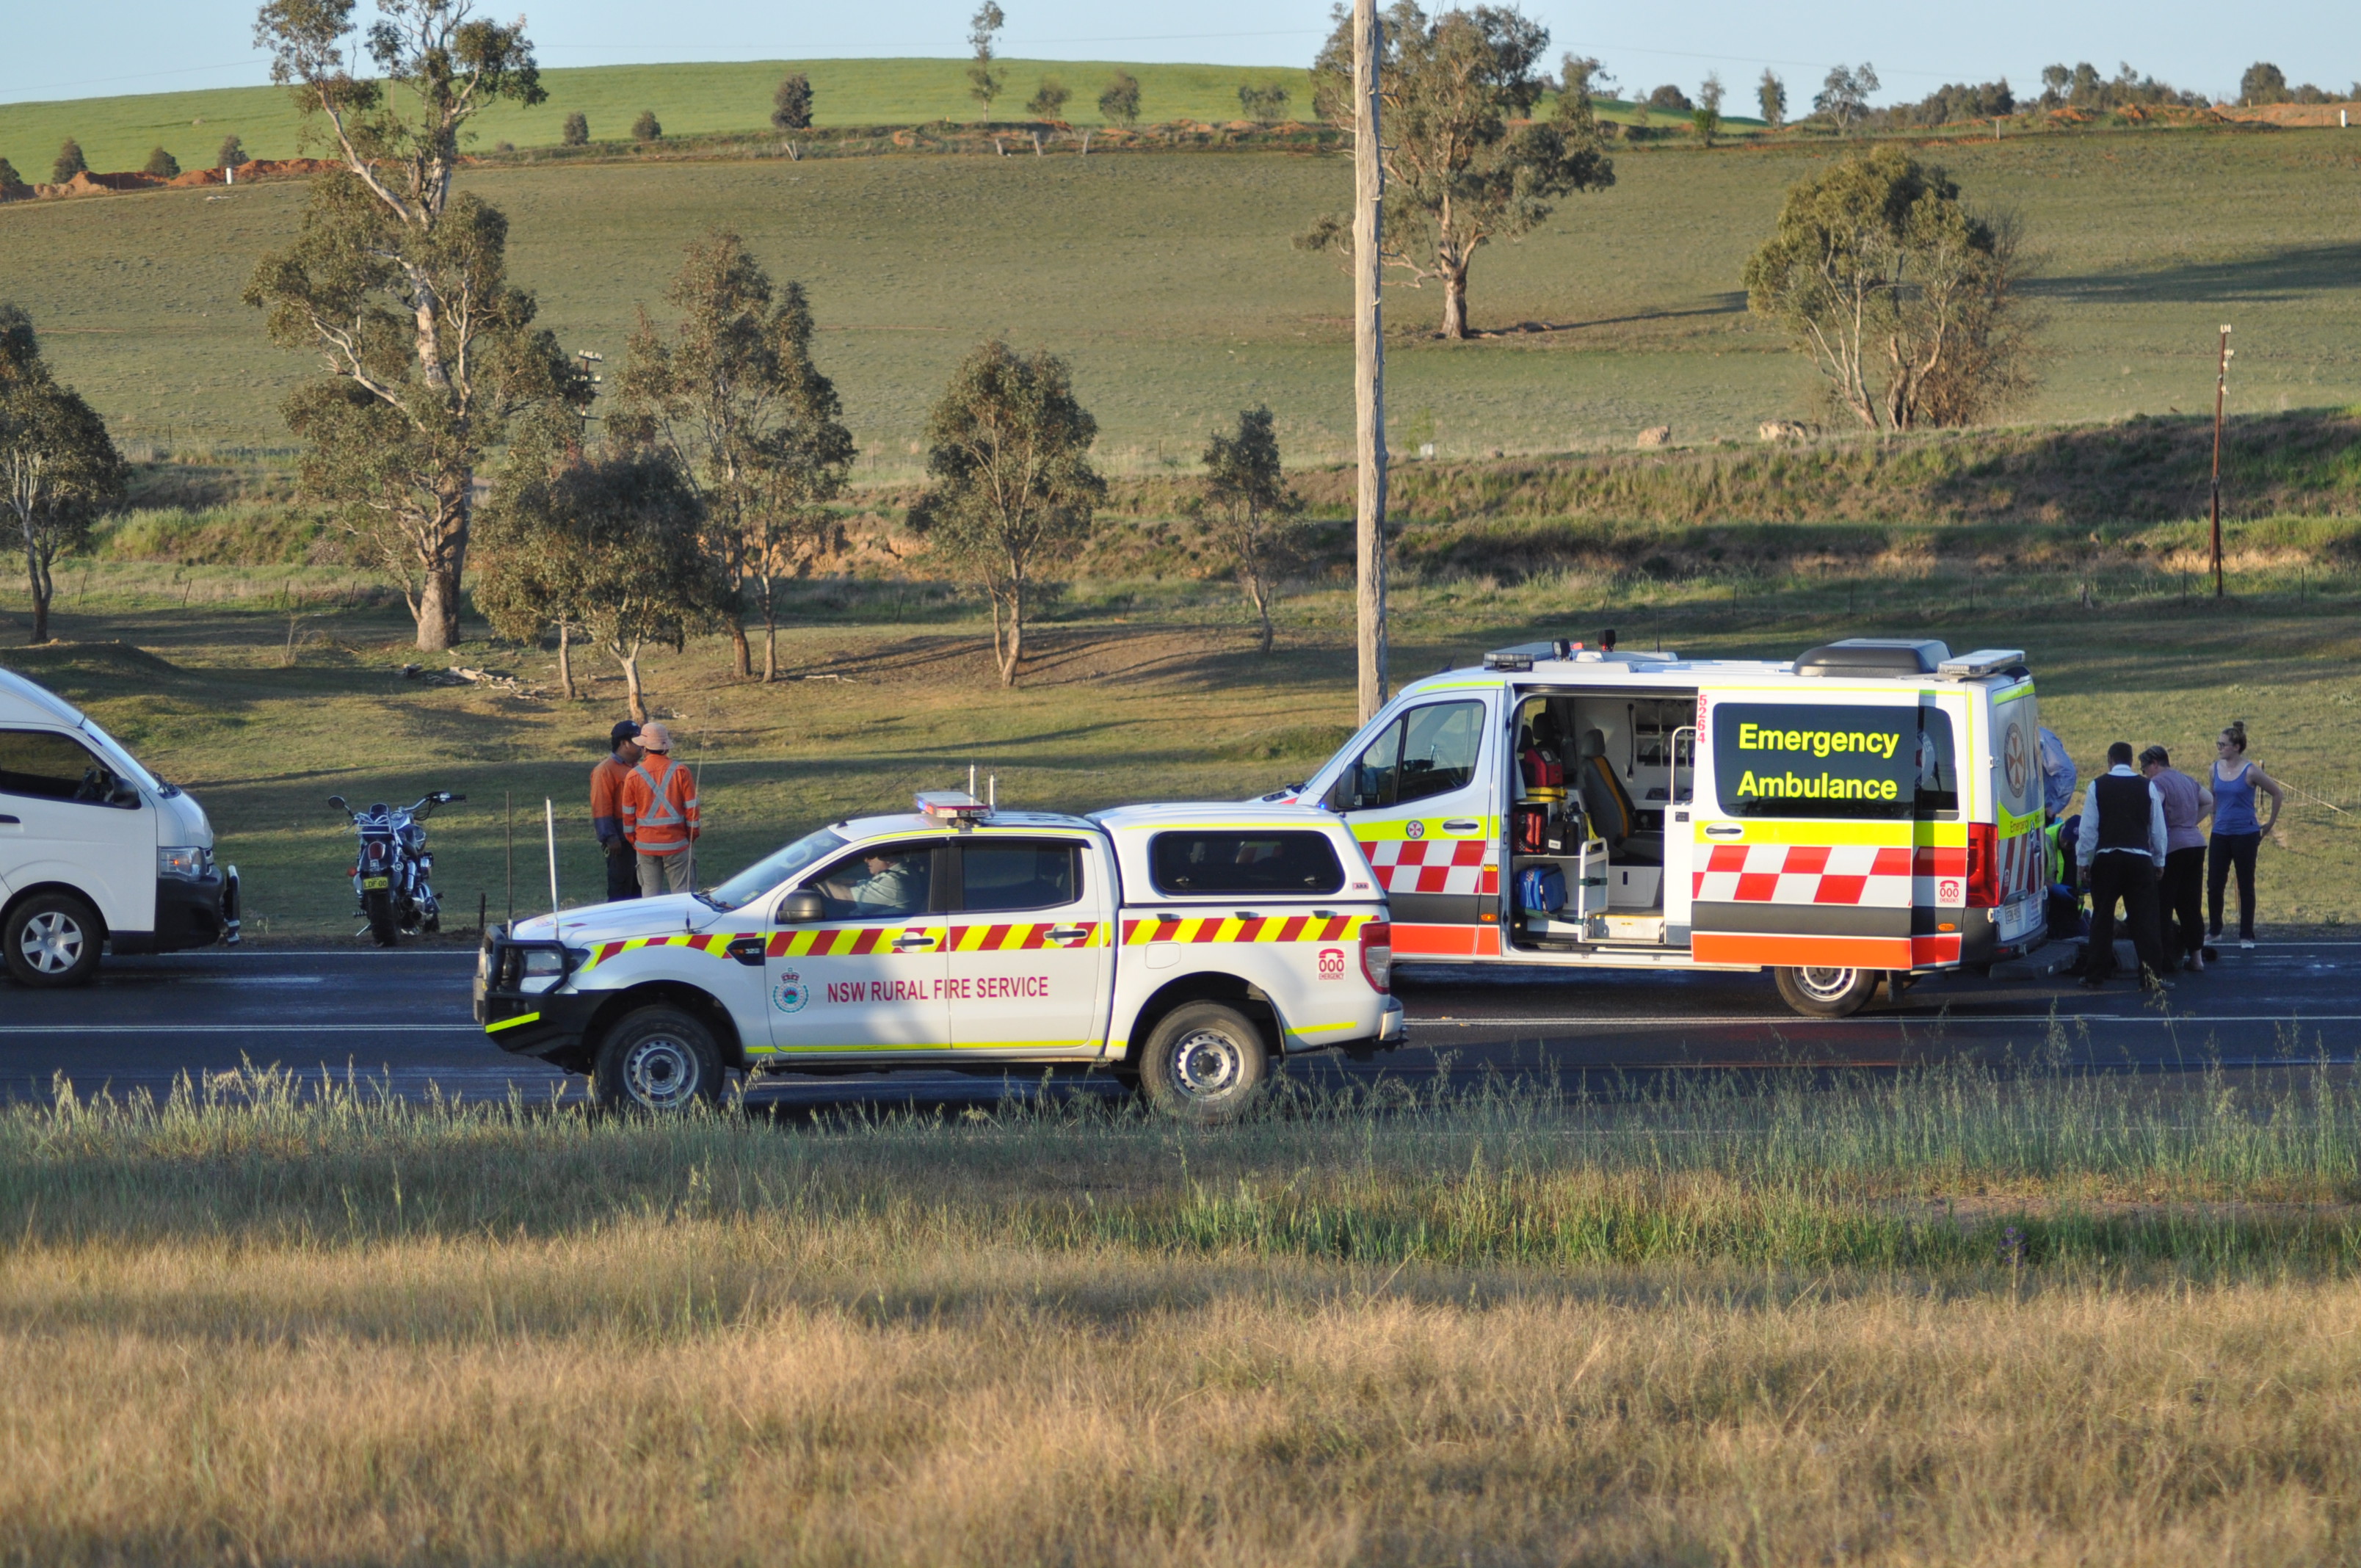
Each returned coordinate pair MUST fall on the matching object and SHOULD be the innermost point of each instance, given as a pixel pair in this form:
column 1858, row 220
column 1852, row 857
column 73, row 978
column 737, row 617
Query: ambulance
column 1866, row 813
column 1184, row 950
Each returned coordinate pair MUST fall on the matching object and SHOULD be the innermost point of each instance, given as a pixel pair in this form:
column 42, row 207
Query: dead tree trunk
column 565, row 660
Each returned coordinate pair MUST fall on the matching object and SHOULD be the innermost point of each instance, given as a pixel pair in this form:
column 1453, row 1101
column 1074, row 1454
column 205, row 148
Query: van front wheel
column 52, row 939
column 1205, row 1063
column 1827, row 992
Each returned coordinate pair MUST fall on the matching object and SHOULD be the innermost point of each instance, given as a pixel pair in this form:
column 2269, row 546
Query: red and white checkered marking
column 1434, row 865
column 1856, row 875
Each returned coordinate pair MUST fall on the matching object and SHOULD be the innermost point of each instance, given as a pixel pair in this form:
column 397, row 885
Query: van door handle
column 1463, row 825
column 914, row 941
column 12, row 821
column 1723, row 830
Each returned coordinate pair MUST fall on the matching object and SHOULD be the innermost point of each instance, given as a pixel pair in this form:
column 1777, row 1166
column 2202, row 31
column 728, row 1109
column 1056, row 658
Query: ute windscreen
column 1825, row 760
column 1265, row 861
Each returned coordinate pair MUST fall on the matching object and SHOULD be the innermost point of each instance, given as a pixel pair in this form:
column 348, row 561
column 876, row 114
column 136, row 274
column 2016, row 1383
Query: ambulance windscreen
column 1264, row 860
column 1817, row 759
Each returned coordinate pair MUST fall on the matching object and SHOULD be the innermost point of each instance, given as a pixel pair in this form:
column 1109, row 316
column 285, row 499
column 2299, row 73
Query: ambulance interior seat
column 1608, row 805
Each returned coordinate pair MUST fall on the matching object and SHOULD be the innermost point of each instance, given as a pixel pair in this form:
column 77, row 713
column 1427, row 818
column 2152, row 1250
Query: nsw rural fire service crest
column 789, row 995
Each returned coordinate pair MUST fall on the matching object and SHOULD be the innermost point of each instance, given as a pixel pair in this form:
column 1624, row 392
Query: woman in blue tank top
column 2237, row 831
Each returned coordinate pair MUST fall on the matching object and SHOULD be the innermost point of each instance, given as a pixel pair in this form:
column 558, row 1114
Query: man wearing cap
column 659, row 802
column 607, row 811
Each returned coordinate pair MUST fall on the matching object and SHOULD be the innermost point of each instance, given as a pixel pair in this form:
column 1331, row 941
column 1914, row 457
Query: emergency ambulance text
column 1819, row 742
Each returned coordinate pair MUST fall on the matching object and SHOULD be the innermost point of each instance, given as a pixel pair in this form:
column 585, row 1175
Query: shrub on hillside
column 646, row 128
column 10, row 178
column 1048, row 101
column 1670, row 100
column 160, row 164
column 232, row 153
column 68, row 164
column 1120, row 102
column 1266, row 104
column 577, row 130
column 792, row 104
column 2263, row 83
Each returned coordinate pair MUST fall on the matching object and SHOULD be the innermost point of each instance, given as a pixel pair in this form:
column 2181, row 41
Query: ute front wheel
column 657, row 1060
column 1204, row 1063
column 1827, row 992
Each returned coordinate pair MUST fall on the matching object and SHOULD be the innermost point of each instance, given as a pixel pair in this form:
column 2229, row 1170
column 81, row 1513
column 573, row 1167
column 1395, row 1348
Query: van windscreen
column 1823, row 761
column 1266, row 860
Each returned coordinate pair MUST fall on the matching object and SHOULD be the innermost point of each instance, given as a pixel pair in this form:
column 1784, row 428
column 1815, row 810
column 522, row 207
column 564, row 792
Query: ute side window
column 1258, row 861
column 1025, row 873
column 50, row 766
column 1430, row 751
column 883, row 881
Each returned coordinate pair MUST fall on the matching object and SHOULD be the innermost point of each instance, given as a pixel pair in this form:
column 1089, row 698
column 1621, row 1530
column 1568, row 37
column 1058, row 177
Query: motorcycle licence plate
column 373, row 884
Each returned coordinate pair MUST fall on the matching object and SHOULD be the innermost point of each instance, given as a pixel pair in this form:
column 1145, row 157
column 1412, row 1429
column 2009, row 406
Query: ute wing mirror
column 801, row 908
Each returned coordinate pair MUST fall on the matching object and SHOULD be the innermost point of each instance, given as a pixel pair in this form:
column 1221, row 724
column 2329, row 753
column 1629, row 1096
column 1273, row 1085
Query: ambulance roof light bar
column 1982, row 663
column 953, row 806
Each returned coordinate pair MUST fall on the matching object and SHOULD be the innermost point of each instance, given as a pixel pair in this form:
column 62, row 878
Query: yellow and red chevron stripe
column 1229, row 929
column 1027, row 938
column 717, row 944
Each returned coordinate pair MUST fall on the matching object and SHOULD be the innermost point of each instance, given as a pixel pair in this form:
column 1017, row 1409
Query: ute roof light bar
column 953, row 806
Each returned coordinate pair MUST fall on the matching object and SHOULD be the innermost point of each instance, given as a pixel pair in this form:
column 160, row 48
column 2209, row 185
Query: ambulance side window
column 1021, row 874
column 882, row 881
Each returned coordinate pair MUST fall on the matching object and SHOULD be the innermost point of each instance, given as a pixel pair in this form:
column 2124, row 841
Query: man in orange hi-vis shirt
column 659, row 801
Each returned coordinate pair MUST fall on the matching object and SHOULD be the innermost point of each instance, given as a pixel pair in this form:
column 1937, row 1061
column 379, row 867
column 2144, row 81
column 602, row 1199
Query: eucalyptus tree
column 59, row 469
column 401, row 286
column 731, row 394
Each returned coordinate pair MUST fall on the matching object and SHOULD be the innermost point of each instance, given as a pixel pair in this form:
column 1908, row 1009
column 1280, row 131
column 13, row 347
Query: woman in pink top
column 2181, row 889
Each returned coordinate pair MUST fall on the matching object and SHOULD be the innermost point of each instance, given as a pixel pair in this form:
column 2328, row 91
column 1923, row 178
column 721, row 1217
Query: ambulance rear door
column 1419, row 797
column 1816, row 814
column 2014, row 779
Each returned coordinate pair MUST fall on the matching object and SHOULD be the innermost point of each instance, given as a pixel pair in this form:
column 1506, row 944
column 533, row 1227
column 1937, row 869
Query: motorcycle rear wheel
column 377, row 904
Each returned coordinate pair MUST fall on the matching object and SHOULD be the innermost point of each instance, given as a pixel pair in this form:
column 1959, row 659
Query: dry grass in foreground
column 1946, row 1318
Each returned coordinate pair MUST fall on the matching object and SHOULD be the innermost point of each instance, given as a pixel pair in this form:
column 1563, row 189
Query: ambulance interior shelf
column 1596, row 818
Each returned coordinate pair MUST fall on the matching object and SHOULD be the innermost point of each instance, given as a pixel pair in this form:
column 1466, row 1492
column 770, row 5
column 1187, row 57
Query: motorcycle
column 389, row 873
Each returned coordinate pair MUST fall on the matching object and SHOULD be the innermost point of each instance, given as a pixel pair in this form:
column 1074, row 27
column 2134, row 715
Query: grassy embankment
column 1170, row 284
column 1939, row 1318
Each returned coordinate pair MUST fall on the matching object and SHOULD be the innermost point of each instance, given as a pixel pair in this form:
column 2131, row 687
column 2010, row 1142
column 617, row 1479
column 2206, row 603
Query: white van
column 1868, row 811
column 94, row 850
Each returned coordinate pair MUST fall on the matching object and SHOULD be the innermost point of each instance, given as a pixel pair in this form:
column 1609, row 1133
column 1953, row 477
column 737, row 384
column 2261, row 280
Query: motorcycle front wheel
column 377, row 904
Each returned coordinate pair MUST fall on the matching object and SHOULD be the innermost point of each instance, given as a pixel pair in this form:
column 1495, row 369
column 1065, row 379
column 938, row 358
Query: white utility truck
column 95, row 852
column 1870, row 811
column 1183, row 947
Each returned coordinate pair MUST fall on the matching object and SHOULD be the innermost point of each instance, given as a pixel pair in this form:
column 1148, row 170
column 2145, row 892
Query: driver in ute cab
column 894, row 886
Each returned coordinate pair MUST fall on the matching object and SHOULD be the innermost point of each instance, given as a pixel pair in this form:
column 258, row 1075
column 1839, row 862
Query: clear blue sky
column 97, row 47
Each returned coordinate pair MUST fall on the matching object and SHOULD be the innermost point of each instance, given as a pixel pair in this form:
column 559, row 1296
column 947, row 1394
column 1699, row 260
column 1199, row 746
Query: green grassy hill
column 115, row 132
column 1169, row 282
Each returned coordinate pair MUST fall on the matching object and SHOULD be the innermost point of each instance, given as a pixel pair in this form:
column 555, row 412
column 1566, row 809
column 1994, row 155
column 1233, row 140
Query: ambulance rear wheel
column 1827, row 992
column 1204, row 1063
column 658, row 1059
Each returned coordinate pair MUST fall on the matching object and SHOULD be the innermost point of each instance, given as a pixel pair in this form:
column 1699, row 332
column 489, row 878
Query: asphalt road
column 401, row 1019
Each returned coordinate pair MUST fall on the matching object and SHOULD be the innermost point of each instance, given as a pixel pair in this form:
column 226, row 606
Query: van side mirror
column 801, row 908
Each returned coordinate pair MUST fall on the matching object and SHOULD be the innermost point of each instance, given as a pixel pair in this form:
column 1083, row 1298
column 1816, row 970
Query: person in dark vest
column 2122, row 849
column 607, row 810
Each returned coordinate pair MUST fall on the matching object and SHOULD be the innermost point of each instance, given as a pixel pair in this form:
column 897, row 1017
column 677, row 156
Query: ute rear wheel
column 657, row 1060
column 52, row 939
column 1204, row 1063
column 1827, row 992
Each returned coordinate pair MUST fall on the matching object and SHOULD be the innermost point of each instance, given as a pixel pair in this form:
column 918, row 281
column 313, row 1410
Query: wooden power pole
column 2221, row 384
column 1368, row 363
